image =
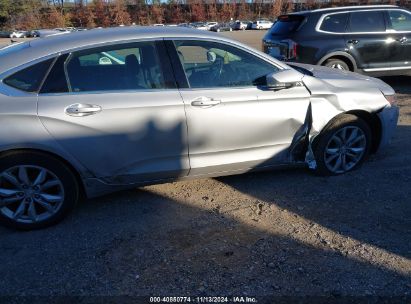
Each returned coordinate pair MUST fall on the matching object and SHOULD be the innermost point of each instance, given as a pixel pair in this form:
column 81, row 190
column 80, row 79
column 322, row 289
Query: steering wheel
column 217, row 69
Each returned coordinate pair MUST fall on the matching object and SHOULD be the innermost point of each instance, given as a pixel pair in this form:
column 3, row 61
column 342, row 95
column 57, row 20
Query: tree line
column 36, row 14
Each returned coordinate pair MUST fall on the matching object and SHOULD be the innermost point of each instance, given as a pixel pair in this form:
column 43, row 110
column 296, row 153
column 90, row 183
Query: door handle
column 80, row 109
column 353, row 41
column 205, row 102
column 402, row 40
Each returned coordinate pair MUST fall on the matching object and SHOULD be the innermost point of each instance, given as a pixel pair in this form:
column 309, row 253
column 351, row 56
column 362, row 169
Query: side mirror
column 283, row 79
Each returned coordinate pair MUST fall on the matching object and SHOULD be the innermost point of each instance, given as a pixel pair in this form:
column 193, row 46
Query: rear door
column 116, row 109
column 400, row 31
column 234, row 124
column 366, row 39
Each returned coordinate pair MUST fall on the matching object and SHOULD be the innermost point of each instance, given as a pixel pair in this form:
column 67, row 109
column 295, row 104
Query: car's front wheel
column 342, row 146
column 36, row 190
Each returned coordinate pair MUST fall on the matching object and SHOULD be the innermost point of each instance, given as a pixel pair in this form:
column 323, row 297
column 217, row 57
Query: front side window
column 210, row 64
column 369, row 21
column 29, row 79
column 134, row 66
column 400, row 20
column 335, row 23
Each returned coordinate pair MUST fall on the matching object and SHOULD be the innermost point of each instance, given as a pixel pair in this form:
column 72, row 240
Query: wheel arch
column 68, row 164
column 371, row 119
column 374, row 123
column 347, row 58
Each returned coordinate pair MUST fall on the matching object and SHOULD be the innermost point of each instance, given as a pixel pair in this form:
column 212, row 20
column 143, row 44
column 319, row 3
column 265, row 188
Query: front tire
column 36, row 190
column 342, row 146
column 337, row 64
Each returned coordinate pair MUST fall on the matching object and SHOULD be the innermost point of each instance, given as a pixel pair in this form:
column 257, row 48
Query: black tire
column 323, row 140
column 337, row 64
column 56, row 167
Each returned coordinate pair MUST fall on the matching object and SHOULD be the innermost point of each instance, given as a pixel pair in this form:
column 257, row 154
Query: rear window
column 335, row 23
column 369, row 21
column 29, row 79
column 286, row 24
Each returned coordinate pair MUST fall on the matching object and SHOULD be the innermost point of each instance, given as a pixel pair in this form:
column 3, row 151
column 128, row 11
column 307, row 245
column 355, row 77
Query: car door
column 366, row 39
column 116, row 109
column 400, row 30
column 234, row 124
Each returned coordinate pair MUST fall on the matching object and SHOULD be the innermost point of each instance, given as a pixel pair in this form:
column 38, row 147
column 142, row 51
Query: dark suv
column 373, row 40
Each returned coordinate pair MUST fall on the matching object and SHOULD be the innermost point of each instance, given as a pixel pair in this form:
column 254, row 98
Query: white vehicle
column 261, row 25
column 158, row 24
column 211, row 24
column 19, row 34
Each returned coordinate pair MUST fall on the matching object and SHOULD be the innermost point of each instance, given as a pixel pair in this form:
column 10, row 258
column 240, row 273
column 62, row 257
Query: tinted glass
column 56, row 81
column 210, row 64
column 286, row 24
column 400, row 20
column 134, row 66
column 335, row 23
column 30, row 78
column 370, row 21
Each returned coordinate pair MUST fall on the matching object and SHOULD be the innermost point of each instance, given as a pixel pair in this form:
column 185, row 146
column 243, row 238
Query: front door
column 118, row 113
column 233, row 124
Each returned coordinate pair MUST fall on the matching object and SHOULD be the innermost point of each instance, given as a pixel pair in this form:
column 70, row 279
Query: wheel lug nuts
column 20, row 193
column 28, row 199
column 36, row 196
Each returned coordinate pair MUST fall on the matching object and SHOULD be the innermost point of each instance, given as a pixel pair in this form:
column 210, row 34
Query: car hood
column 344, row 79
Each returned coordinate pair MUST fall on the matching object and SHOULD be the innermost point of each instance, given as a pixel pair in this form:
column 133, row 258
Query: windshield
column 286, row 24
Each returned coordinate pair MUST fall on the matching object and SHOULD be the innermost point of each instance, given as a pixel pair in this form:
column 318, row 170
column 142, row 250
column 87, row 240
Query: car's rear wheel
column 337, row 64
column 342, row 146
column 36, row 190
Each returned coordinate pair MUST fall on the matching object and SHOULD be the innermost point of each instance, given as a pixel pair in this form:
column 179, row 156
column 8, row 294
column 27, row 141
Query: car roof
column 345, row 8
column 39, row 48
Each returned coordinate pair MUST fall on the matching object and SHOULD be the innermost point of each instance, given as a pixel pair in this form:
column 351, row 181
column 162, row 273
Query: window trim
column 383, row 11
column 180, row 68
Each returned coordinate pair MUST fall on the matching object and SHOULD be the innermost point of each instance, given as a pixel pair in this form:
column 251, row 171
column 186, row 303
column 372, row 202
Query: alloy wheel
column 30, row 194
column 345, row 149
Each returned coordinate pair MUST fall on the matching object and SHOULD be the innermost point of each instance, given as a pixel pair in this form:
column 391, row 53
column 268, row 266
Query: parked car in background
column 210, row 24
column 222, row 27
column 261, row 25
column 374, row 40
column 158, row 24
column 240, row 25
column 5, row 34
column 185, row 25
column 200, row 26
column 191, row 105
column 48, row 32
column 19, row 34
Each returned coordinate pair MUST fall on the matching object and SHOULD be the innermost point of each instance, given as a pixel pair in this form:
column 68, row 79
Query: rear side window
column 400, row 20
column 370, row 21
column 133, row 66
column 286, row 24
column 335, row 23
column 29, row 79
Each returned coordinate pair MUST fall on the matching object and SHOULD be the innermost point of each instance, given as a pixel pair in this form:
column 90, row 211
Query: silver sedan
column 97, row 111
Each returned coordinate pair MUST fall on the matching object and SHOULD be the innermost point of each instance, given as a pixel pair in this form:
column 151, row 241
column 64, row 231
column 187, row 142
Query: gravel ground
column 279, row 233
